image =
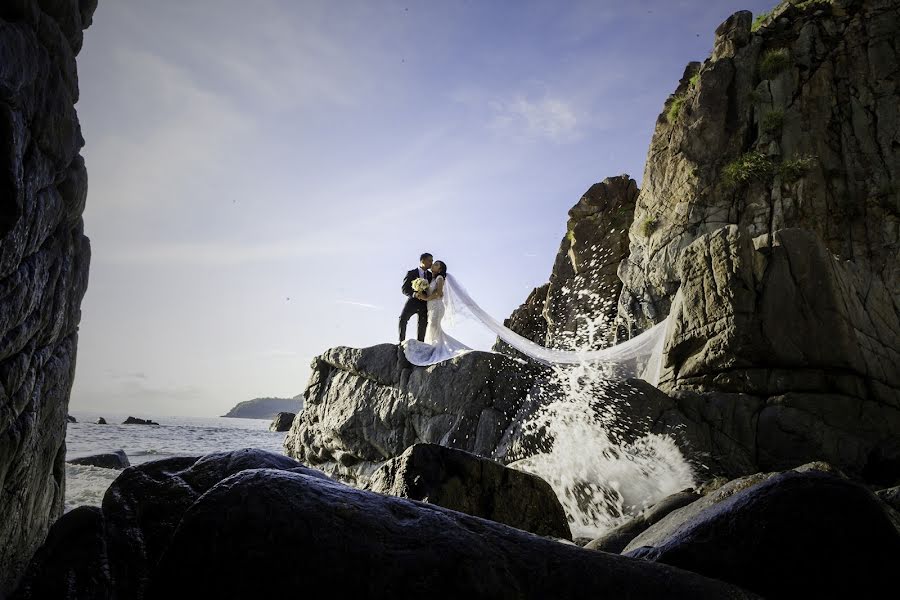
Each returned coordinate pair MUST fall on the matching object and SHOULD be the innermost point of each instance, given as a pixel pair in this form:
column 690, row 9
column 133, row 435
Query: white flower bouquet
column 420, row 285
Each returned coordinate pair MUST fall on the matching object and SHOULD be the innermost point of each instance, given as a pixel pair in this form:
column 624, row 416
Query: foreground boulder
column 109, row 460
column 473, row 485
column 282, row 421
column 140, row 511
column 264, row 521
column 172, row 528
column 809, row 535
column 44, row 263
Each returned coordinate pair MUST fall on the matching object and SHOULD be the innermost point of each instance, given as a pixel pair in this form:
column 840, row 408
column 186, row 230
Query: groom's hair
column 424, row 256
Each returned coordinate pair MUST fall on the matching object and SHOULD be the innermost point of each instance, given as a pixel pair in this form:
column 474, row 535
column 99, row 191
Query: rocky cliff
column 768, row 227
column 44, row 258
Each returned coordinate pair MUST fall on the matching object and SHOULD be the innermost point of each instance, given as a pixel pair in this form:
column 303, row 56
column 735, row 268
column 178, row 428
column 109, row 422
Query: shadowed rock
column 109, row 460
column 262, row 521
column 137, row 421
column 793, row 535
column 282, row 421
column 473, row 485
column 44, row 258
column 617, row 539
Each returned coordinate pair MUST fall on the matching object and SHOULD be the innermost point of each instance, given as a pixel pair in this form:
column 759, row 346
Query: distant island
column 265, row 408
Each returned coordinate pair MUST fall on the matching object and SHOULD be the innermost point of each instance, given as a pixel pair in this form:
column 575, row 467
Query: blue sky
column 263, row 173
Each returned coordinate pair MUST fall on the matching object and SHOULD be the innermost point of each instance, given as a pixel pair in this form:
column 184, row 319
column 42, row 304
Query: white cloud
column 547, row 118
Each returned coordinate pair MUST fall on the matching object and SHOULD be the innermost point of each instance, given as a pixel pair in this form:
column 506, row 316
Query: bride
column 638, row 357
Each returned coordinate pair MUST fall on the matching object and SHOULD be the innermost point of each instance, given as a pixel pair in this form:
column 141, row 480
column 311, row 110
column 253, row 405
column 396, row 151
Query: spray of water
column 603, row 464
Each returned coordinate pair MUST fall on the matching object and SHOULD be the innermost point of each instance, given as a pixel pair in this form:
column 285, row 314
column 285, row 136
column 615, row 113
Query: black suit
column 413, row 306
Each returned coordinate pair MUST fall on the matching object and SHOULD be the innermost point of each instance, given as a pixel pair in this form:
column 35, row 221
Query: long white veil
column 638, row 357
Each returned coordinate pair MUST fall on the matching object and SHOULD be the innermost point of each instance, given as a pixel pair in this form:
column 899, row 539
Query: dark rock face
column 140, row 512
column 137, row 421
column 282, row 421
column 101, row 421
column 44, row 259
column 473, row 485
column 778, row 354
column 616, row 540
column 583, row 281
column 110, row 460
column 890, row 496
column 263, row 521
column 792, row 535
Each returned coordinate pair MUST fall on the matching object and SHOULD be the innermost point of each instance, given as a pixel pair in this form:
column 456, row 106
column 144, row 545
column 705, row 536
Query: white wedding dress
column 640, row 357
column 438, row 345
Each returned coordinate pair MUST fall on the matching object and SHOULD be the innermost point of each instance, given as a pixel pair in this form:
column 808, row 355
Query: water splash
column 603, row 466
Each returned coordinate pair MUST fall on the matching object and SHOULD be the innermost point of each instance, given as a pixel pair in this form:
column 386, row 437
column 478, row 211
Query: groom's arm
column 407, row 284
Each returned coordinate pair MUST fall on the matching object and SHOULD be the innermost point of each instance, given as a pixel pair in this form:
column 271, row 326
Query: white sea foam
column 85, row 485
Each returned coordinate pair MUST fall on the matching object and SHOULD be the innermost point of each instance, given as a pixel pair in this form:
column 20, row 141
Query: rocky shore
column 767, row 228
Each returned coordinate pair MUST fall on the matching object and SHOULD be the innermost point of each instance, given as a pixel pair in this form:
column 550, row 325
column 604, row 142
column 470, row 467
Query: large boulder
column 108, row 460
column 792, row 535
column 261, row 522
column 140, row 512
column 44, row 259
column 364, row 407
column 473, row 485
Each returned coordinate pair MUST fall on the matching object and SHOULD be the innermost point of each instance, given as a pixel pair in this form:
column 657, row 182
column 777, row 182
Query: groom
column 414, row 306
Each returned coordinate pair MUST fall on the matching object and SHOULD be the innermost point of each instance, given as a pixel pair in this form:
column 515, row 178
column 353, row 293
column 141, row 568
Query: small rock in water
column 101, row 421
column 108, row 460
column 282, row 421
column 70, row 419
column 136, row 421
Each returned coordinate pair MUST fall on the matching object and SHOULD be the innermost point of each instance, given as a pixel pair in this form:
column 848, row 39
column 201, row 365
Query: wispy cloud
column 546, row 118
column 360, row 304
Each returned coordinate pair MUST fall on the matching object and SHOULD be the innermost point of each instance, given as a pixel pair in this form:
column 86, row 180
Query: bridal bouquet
column 419, row 285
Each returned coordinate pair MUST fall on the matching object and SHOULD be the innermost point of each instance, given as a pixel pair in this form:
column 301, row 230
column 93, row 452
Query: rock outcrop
column 138, row 421
column 109, row 460
column 473, row 485
column 265, row 408
column 282, row 421
column 44, row 259
column 792, row 535
column 363, row 408
column 577, row 308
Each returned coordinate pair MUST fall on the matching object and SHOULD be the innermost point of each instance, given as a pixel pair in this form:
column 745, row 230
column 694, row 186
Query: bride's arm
column 438, row 290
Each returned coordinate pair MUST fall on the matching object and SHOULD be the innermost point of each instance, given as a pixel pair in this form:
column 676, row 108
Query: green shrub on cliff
column 751, row 166
column 675, row 109
column 793, row 169
column 647, row 226
column 756, row 166
column 695, row 79
column 772, row 121
column 758, row 21
column 774, row 62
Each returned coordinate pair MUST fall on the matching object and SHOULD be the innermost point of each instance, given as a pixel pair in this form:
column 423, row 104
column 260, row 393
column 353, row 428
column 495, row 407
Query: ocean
column 175, row 436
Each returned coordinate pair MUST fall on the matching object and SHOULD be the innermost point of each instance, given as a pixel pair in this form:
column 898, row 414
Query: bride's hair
column 443, row 268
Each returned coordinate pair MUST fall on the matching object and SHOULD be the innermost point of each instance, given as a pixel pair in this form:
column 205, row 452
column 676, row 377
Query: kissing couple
column 432, row 292
column 426, row 289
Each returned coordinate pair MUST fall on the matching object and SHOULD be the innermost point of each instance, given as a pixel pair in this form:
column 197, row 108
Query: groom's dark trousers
column 413, row 306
